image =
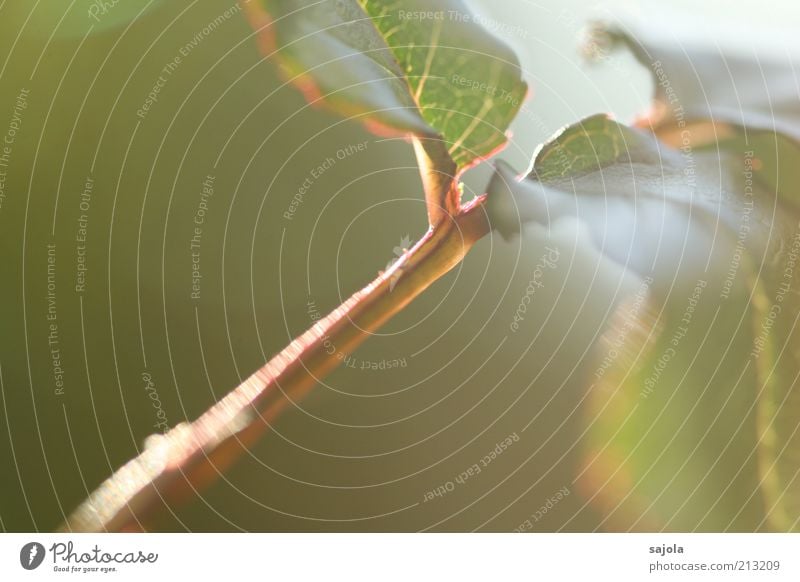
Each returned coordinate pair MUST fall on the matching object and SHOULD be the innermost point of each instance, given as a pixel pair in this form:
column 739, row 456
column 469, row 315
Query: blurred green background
column 363, row 450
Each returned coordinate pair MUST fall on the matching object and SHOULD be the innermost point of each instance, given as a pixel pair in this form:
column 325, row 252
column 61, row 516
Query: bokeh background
column 363, row 450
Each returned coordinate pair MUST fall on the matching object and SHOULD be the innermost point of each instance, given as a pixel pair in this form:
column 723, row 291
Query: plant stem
column 174, row 467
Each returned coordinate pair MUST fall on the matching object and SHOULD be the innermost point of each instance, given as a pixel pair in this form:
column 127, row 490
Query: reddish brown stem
column 174, row 467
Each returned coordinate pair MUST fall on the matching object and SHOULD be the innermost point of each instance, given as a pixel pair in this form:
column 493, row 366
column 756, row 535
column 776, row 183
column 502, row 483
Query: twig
column 175, row 467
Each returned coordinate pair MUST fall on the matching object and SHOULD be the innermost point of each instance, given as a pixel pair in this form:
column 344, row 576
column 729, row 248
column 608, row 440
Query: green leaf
column 691, row 411
column 595, row 143
column 626, row 186
column 467, row 83
column 426, row 68
column 332, row 51
column 760, row 98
